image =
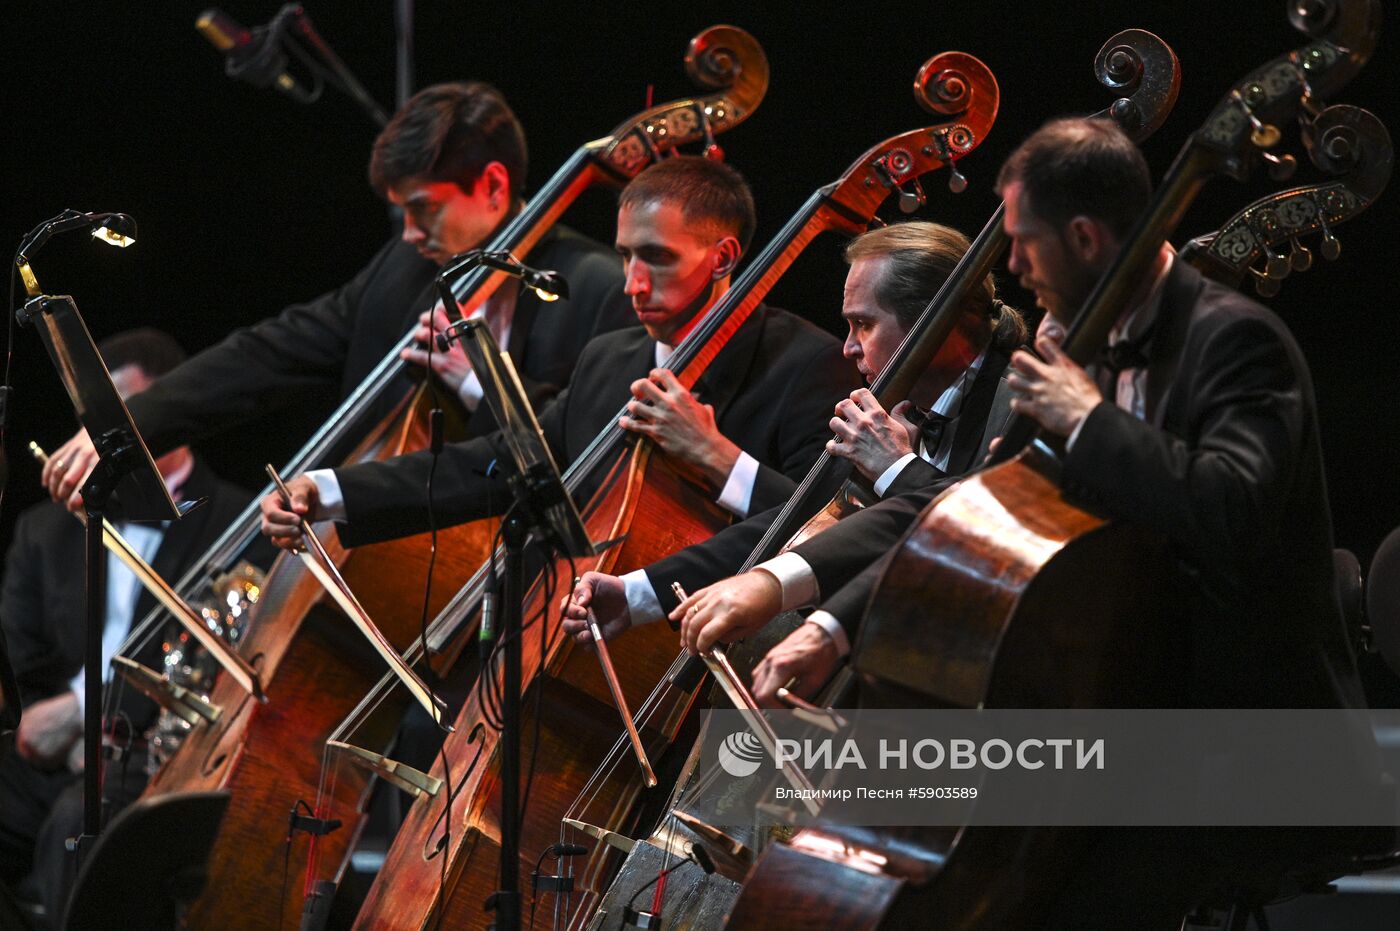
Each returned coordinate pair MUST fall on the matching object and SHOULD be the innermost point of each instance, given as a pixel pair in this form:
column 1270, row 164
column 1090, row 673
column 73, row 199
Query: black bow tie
column 1123, row 356
column 1129, row 353
column 931, row 426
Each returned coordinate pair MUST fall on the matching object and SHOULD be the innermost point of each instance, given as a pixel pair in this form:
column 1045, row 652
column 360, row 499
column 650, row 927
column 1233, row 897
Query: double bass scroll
column 1343, row 140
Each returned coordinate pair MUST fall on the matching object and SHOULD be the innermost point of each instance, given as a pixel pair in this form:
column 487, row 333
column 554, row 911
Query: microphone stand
column 339, row 72
column 542, row 513
column 403, row 52
column 533, row 499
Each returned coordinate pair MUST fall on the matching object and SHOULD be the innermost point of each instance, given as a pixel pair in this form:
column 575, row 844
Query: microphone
column 549, row 286
column 255, row 56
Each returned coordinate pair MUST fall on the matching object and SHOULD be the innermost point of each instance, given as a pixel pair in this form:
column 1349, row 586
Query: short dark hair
column 1076, row 166
column 154, row 352
column 707, row 191
column 450, row 132
column 919, row 258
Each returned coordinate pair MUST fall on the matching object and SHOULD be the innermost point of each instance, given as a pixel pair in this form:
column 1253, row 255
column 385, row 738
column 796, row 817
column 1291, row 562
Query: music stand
column 150, row 865
column 124, row 467
column 544, row 509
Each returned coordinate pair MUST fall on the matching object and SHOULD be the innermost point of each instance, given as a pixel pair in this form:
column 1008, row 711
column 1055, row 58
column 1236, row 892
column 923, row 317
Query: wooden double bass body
column 1008, row 592
column 432, row 873
column 314, row 665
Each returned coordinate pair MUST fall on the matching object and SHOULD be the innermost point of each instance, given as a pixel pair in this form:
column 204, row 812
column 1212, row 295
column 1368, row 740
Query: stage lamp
column 550, row 286
column 117, row 229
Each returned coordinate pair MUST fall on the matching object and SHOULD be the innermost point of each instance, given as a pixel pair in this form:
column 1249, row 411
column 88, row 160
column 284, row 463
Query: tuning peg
column 1331, row 246
column 1299, row 256
column 1275, row 265
column 1281, row 168
column 712, row 150
column 1264, row 135
column 1266, row 286
column 957, row 181
column 911, row 196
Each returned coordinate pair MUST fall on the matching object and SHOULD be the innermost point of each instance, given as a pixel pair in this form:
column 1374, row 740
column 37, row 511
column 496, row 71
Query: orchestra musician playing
column 1199, row 423
column 957, row 405
column 454, row 160
column 753, row 425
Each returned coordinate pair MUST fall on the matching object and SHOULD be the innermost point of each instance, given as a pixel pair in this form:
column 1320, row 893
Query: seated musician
column 454, row 160
column 895, row 270
column 753, row 425
column 43, row 614
column 1199, row 423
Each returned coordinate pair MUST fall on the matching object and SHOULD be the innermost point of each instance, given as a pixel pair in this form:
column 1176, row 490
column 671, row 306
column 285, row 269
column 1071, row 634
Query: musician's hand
column 662, row 409
column 870, row 438
column 451, row 366
column 1056, row 393
column 68, row 469
column 602, row 596
column 806, row 654
column 729, row 610
column 282, row 525
column 48, row 731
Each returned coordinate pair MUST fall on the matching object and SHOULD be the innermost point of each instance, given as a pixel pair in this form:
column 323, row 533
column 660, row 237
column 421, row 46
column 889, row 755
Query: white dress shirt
column 123, row 588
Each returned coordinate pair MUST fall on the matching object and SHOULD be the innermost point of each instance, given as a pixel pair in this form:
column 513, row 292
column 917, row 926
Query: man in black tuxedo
column 454, row 158
column 894, row 272
column 751, row 428
column 1200, row 423
column 43, row 614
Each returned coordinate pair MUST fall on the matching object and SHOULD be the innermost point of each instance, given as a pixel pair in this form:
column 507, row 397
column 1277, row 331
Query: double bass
column 1133, row 61
column 1004, row 641
column 443, row 864
column 269, row 755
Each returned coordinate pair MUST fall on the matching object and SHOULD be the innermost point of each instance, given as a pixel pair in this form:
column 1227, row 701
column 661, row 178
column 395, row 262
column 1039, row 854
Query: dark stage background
column 247, row 202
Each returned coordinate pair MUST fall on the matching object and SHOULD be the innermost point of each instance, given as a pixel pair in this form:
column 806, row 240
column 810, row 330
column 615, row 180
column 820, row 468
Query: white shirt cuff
column 887, row 477
column 79, row 687
column 471, row 391
column 1074, row 434
column 798, row 582
column 331, row 504
column 834, row 630
column 642, row 602
column 737, row 493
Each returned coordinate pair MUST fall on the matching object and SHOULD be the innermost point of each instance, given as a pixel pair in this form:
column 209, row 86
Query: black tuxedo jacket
column 1227, row 465
column 773, row 387
column 42, row 607
column 328, row 345
column 983, row 415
